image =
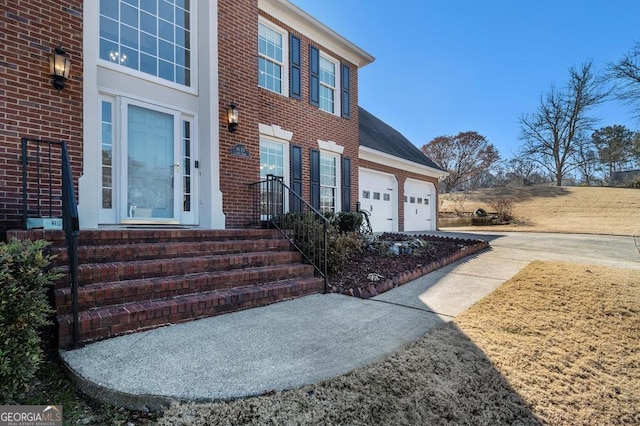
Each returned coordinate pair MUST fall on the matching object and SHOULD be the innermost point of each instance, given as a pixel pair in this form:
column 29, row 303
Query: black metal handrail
column 70, row 221
column 276, row 205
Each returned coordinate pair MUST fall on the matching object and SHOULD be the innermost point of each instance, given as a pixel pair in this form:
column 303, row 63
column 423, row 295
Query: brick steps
column 136, row 279
column 119, row 271
column 108, row 321
column 147, row 251
column 144, row 289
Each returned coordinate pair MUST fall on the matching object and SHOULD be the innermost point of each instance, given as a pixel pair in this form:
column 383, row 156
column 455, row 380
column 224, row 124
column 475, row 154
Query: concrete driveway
column 289, row 344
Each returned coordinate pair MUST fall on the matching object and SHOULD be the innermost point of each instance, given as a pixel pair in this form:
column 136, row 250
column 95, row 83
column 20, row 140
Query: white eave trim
column 301, row 21
column 375, row 156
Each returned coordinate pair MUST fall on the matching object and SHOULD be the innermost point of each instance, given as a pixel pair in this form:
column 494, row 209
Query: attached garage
column 378, row 196
column 419, row 205
column 397, row 182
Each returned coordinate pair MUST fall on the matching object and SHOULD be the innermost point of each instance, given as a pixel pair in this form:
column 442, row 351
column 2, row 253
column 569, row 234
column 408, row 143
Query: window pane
column 149, row 23
column 107, row 154
column 129, row 36
column 109, row 8
column 108, row 29
column 129, row 15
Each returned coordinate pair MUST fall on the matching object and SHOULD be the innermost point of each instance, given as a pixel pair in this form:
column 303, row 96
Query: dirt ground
column 579, row 210
column 557, row 344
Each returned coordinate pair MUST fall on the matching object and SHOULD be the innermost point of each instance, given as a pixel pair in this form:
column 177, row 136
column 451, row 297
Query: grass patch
column 579, row 210
column 557, row 344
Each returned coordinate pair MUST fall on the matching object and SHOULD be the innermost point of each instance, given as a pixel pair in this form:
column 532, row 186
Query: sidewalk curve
column 289, row 344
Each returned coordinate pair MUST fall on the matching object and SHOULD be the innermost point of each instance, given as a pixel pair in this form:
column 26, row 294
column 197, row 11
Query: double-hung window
column 328, row 183
column 328, row 80
column 272, row 56
column 153, row 37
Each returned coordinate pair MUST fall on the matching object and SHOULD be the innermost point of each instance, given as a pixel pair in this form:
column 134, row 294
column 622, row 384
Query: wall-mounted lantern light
column 59, row 66
column 232, row 117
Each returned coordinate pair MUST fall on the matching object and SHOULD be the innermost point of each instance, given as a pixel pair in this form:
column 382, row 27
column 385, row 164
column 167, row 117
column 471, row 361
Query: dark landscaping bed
column 376, row 270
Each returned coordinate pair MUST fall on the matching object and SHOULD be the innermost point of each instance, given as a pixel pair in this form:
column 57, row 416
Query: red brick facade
column 29, row 105
column 238, row 53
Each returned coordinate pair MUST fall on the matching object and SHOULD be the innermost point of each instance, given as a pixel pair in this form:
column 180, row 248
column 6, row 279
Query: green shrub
column 308, row 233
column 24, row 309
column 347, row 221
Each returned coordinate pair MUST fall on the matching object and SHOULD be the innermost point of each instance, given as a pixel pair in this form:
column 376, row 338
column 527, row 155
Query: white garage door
column 419, row 206
column 378, row 195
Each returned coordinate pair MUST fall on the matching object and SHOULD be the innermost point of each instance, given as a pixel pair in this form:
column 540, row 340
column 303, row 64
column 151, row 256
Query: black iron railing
column 276, row 205
column 48, row 192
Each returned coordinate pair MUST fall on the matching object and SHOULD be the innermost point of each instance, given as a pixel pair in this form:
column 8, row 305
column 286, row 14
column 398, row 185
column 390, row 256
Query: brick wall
column 29, row 105
column 401, row 176
column 238, row 50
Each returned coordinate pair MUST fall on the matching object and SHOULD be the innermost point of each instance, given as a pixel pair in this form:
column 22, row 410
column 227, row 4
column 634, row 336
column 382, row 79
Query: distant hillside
column 590, row 210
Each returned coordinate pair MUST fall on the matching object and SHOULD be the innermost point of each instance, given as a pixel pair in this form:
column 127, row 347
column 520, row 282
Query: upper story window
column 151, row 36
column 327, row 84
column 272, row 57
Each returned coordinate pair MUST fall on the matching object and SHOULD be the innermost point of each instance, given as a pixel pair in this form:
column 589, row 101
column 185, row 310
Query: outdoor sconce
column 59, row 66
column 232, row 117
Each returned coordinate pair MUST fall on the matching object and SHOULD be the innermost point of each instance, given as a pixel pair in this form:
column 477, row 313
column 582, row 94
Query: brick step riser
column 101, row 295
column 149, row 251
column 124, row 319
column 119, row 271
column 125, row 236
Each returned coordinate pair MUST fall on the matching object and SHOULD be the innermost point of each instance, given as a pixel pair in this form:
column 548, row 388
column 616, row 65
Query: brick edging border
column 412, row 274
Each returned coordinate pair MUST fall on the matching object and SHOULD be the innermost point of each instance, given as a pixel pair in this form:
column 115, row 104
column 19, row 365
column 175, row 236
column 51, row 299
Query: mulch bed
column 395, row 270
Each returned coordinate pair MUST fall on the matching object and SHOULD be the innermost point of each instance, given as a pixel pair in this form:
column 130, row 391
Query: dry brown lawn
column 580, row 210
column 557, row 344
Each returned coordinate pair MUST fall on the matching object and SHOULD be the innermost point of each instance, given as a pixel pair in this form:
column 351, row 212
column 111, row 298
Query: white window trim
column 109, row 215
column 338, row 158
column 337, row 95
column 284, row 87
column 193, row 89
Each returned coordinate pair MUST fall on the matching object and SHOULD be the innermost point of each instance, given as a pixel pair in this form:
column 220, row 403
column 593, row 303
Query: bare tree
column 464, row 156
column 625, row 74
column 550, row 134
column 587, row 156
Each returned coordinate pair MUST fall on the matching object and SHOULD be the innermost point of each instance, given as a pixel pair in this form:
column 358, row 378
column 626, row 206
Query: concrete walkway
column 317, row 337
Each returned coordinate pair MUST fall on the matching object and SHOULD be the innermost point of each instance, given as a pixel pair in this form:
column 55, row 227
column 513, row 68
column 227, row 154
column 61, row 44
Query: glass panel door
column 151, row 166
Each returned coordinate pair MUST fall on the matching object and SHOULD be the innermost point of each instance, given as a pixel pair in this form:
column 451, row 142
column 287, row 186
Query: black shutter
column 314, row 76
column 296, row 178
column 346, row 184
column 294, row 67
column 315, row 178
column 345, row 104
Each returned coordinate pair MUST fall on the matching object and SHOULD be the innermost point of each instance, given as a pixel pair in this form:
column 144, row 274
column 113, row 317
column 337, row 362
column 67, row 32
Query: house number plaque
column 240, row 151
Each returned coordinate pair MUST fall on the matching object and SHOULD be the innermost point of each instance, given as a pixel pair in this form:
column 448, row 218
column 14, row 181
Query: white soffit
column 375, row 156
column 301, row 21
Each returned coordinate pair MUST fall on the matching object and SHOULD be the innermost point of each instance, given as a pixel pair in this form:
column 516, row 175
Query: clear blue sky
column 448, row 66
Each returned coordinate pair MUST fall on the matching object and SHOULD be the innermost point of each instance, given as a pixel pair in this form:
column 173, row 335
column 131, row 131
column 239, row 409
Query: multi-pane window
column 328, row 183
column 327, row 85
column 107, row 155
column 271, row 159
column 270, row 58
column 186, row 160
column 151, row 36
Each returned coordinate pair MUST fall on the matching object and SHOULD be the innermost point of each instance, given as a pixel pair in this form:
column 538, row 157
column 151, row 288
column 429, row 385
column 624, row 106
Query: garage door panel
column 419, row 206
column 376, row 196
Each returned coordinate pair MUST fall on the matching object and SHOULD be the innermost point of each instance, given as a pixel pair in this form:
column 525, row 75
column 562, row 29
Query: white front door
column 152, row 173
